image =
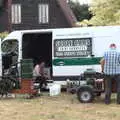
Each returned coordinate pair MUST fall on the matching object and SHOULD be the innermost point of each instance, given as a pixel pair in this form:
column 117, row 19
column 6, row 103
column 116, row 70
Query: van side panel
column 73, row 66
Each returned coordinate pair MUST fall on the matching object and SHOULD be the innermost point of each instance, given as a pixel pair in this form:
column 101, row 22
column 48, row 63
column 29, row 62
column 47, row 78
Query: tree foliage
column 3, row 34
column 105, row 12
column 81, row 11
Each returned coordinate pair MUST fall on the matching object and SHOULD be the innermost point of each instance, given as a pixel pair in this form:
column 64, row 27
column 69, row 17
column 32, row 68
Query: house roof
column 67, row 12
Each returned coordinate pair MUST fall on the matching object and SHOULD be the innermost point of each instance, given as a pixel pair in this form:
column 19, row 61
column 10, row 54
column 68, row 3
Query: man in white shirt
column 39, row 73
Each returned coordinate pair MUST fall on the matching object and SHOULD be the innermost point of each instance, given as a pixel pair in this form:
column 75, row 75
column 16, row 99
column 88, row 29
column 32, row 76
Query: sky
column 83, row 1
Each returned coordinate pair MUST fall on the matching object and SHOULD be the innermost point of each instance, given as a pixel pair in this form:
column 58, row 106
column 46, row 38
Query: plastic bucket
column 55, row 90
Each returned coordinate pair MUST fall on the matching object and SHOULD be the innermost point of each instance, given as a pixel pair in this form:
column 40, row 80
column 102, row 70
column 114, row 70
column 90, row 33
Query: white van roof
column 18, row 34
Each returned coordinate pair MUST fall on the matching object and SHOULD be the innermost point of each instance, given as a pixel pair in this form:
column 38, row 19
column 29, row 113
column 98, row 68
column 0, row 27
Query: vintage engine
column 94, row 79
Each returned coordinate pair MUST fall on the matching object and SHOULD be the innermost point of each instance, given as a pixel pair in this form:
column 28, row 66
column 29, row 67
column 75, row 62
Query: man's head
column 112, row 46
column 42, row 64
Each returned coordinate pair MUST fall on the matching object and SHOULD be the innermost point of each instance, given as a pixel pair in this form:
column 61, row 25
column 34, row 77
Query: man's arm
column 102, row 62
column 37, row 70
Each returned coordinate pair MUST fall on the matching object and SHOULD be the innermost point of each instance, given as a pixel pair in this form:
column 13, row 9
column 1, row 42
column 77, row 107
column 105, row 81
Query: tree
column 81, row 11
column 105, row 12
column 3, row 34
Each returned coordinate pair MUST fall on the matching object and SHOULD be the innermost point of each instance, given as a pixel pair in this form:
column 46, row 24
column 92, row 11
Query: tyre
column 85, row 94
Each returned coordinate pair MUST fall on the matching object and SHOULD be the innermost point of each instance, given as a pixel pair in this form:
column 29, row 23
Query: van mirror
column 9, row 52
column 10, row 46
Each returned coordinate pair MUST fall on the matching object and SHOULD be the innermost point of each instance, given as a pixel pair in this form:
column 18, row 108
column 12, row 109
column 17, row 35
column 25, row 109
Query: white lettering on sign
column 73, row 48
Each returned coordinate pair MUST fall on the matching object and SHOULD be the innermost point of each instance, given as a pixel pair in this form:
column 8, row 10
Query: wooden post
column 9, row 3
column 0, row 59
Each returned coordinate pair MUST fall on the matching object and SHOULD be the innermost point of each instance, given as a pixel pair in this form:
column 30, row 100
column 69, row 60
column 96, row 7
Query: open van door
column 0, row 59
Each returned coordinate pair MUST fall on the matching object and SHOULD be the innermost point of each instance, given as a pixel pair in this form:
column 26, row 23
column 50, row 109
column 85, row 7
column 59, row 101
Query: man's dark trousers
column 108, row 87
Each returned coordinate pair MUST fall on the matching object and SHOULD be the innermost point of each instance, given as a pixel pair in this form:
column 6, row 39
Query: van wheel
column 85, row 94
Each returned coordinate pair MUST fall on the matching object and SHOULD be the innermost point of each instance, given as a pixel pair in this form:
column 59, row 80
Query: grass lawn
column 62, row 107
